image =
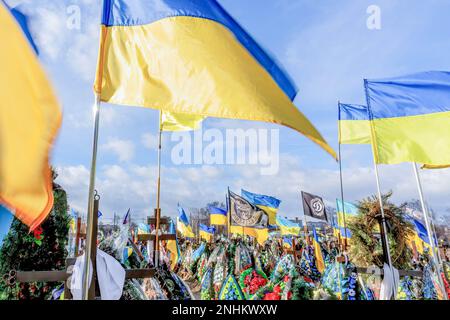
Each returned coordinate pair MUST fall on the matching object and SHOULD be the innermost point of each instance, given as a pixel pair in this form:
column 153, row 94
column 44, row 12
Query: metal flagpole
column 158, row 193
column 383, row 218
column 429, row 231
column 90, row 217
column 342, row 185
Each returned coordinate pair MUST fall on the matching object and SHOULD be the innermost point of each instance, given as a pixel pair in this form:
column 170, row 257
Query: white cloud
column 150, row 141
column 123, row 149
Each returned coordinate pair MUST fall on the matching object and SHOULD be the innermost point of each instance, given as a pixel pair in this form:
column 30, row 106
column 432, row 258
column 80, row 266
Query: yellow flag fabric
column 174, row 254
column 192, row 58
column 431, row 167
column 180, row 121
column 205, row 235
column 410, row 118
column 218, row 219
column 261, row 235
column 30, row 117
column 185, row 230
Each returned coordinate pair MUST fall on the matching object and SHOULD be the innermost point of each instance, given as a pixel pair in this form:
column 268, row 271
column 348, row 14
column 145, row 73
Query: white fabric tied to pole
column 76, row 280
column 390, row 283
column 110, row 275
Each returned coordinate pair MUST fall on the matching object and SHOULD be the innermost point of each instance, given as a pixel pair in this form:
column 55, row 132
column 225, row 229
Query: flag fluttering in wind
column 183, row 225
column 320, row 264
column 267, row 203
column 287, row 243
column 245, row 214
column 347, row 211
column 173, row 248
column 287, row 227
column 30, row 117
column 206, row 233
column 180, row 121
column 248, row 219
column 192, row 57
column 420, row 235
column 217, row 216
column 313, row 206
column 410, row 118
column 354, row 124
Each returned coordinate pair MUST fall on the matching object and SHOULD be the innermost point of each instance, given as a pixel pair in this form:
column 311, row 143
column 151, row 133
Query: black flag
column 245, row 214
column 313, row 206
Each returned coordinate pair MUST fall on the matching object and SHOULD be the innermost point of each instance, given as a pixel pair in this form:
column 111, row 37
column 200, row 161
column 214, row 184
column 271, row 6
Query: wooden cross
column 63, row 275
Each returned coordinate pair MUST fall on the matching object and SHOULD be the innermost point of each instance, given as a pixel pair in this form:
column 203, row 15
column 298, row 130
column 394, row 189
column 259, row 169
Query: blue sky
column 324, row 45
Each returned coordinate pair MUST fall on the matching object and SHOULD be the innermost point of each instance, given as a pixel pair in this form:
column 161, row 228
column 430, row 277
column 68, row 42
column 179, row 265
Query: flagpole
column 229, row 214
column 90, row 217
column 158, row 193
column 374, row 153
column 305, row 225
column 383, row 218
column 341, row 180
column 428, row 226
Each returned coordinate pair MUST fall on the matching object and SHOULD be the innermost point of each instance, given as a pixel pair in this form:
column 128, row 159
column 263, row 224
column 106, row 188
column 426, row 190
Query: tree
column 43, row 250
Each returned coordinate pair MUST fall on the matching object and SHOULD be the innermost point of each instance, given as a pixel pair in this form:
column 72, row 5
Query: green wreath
column 366, row 247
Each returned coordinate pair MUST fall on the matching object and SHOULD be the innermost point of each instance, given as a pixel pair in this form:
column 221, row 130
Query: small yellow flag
column 30, row 118
column 180, row 121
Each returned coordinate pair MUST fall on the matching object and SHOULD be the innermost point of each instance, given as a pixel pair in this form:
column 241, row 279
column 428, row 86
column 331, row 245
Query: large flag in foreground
column 410, row 118
column 192, row 57
column 354, row 124
column 267, row 203
column 30, row 118
column 313, row 206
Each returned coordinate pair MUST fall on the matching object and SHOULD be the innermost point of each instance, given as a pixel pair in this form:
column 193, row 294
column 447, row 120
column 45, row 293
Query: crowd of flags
column 190, row 69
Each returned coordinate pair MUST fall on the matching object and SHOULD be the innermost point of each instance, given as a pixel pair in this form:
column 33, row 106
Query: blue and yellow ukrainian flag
column 267, row 203
column 173, row 248
column 192, row 57
column 420, row 236
column 320, row 263
column 287, row 227
column 410, row 118
column 30, row 117
column 287, row 242
column 183, row 225
column 217, row 216
column 354, row 124
column 349, row 211
column 206, row 233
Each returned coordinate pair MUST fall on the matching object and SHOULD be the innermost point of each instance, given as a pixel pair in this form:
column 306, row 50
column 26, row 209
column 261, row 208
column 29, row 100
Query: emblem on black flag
column 245, row 214
column 313, row 206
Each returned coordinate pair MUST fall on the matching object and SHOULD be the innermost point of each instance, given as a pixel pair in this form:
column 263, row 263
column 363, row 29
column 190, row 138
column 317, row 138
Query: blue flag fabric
column 183, row 216
column 260, row 200
column 6, row 218
column 205, row 228
column 409, row 118
column 216, row 210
